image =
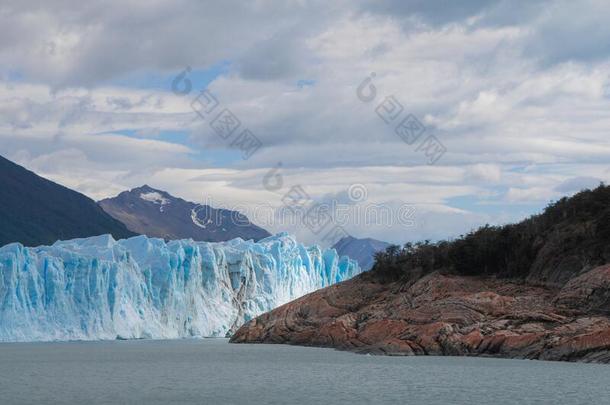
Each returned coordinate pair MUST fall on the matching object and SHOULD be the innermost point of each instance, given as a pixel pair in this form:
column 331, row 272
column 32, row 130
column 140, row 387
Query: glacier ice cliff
column 99, row 288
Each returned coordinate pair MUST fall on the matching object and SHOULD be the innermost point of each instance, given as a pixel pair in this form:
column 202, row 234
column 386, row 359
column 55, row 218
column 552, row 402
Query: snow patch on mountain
column 154, row 197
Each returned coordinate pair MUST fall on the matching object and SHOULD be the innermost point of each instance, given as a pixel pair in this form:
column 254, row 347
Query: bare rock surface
column 441, row 314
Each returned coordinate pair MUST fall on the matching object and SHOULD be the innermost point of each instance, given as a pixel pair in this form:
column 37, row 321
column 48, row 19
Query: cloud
column 435, row 12
column 576, row 184
column 517, row 92
column 557, row 36
column 90, row 43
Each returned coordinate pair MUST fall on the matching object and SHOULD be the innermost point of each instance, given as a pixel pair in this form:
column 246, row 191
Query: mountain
column 361, row 250
column 539, row 289
column 156, row 213
column 98, row 288
column 36, row 211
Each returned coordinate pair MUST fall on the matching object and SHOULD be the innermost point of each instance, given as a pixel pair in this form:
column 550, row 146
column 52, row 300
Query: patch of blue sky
column 217, row 156
column 495, row 206
column 305, row 83
column 162, row 81
column 11, row 75
column 178, row 137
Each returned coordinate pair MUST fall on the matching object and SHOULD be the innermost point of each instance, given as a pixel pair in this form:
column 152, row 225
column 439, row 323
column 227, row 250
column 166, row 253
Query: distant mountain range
column 361, row 250
column 156, row 213
column 36, row 211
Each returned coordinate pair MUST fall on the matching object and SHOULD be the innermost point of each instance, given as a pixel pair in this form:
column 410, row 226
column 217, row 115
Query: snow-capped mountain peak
column 158, row 214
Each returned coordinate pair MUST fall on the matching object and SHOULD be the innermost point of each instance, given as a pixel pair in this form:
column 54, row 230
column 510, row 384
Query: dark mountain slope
column 36, row 211
column 156, row 213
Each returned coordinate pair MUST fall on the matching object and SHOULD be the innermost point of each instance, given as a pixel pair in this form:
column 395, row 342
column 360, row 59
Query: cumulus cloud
column 517, row 93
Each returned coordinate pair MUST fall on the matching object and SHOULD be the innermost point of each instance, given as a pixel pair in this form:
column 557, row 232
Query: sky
column 98, row 96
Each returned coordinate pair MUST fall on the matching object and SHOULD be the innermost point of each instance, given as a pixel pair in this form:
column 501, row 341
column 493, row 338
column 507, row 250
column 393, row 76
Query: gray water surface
column 212, row 371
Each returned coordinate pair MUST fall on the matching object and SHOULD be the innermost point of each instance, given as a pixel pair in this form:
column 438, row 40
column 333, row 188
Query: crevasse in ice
column 99, row 288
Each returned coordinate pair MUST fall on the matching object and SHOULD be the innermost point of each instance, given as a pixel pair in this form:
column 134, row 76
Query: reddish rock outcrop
column 448, row 315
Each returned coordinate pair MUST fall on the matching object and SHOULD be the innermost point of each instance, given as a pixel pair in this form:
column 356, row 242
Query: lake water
column 212, row 371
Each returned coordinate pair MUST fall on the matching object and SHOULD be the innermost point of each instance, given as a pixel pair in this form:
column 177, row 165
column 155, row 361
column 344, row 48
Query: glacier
column 139, row 288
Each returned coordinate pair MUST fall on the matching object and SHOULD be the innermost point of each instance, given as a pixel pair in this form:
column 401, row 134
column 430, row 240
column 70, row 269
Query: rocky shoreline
column 444, row 314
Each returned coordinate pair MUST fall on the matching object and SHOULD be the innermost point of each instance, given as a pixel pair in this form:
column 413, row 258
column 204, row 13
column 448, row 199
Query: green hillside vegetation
column 571, row 236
